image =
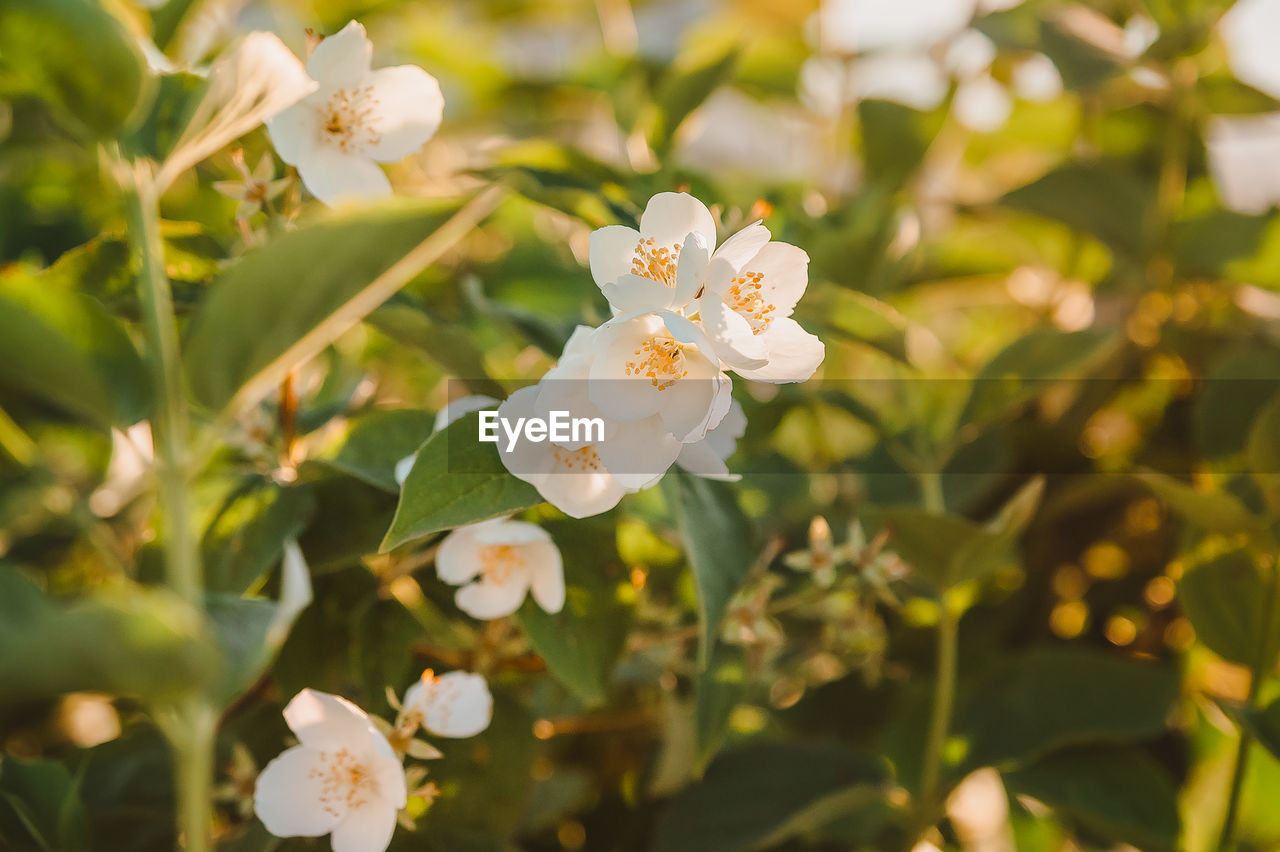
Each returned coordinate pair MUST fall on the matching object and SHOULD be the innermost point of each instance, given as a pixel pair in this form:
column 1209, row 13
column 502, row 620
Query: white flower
column 659, row 364
column 254, row 81
column 356, row 118
column 746, row 311
column 1248, row 29
column 255, row 188
column 1242, row 159
column 343, row 778
column 454, row 704
column 497, row 562
column 706, row 458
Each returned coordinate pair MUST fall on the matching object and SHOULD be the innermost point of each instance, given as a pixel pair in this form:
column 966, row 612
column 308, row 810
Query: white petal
column 691, row 409
column 458, row 557
column 342, row 60
column 1242, row 159
column 1249, row 29
column 969, row 54
column 616, row 394
column 639, row 451
column 982, row 105
column 546, row 580
column 723, row 439
column 735, row 342
column 485, row 600
column 366, row 829
column 294, row 131
column 794, row 354
column 461, row 407
column 853, row 26
column 503, row 531
column 287, row 796
column 670, row 217
column 322, row 721
column 611, row 250
column 699, row 458
column 579, row 343
column 581, row 495
column 1036, row 78
column 457, row 704
column 407, row 114
column 631, row 293
column 742, row 246
column 403, row 468
column 911, row 79
column 691, row 271
column 335, row 177
column 786, row 275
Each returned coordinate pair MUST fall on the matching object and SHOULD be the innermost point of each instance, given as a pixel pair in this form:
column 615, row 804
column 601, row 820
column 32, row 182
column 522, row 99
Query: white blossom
column 357, row 118
column 343, row 778
column 454, row 704
column 497, row 563
column 707, row 457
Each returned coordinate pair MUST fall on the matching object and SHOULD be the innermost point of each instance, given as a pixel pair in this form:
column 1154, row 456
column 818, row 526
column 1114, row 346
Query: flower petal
column 408, row 110
column 580, row 495
column 333, row 176
column 631, row 293
column 982, row 104
column 670, row 217
column 743, row 245
column 691, row 271
column 321, row 721
column 457, row 704
column 458, row 557
column 342, row 60
column 794, row 354
column 368, row 828
column 287, row 796
column 546, row 578
column 611, row 250
column 731, row 335
column 461, row 407
column 485, row 600
column 505, row 531
column 639, row 451
column 699, row 458
column 295, row 130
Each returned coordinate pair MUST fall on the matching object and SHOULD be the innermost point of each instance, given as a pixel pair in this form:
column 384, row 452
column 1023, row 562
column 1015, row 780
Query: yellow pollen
column 347, row 118
column 344, row 780
column 660, row 360
column 584, row 460
column 744, row 298
column 657, row 263
column 498, row 561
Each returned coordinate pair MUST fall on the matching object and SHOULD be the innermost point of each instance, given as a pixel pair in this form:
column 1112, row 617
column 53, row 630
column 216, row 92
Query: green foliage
column 39, row 805
column 449, row 487
column 1226, row 598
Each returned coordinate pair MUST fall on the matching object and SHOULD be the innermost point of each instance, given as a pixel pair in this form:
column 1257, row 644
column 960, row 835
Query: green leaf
column 1022, row 370
column 1264, row 724
column 1101, row 199
column 759, row 795
column 1222, row 94
column 895, row 139
column 1205, row 246
column 719, row 689
column 78, row 57
column 39, row 804
column 1263, row 452
column 1081, row 64
column 456, row 480
column 1120, row 794
column 1239, row 384
column 125, row 640
column 581, row 643
column 718, row 539
column 376, row 441
column 249, row 532
column 1213, row 511
column 448, row 345
column 1050, row 698
column 1225, row 598
column 688, row 85
column 65, row 348
column 287, row 300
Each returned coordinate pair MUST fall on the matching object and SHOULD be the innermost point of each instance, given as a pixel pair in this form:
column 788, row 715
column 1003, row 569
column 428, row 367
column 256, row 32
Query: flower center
column 657, row 263
column 345, row 781
column 744, row 298
column 660, row 360
column 499, row 561
column 347, row 117
column 584, row 460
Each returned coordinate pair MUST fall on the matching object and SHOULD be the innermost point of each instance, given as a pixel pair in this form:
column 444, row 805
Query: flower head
column 343, row 778
column 454, row 704
column 497, row 563
column 255, row 188
column 358, row 117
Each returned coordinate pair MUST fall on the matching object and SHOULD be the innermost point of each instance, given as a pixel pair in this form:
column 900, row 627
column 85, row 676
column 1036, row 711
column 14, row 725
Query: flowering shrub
column 639, row 425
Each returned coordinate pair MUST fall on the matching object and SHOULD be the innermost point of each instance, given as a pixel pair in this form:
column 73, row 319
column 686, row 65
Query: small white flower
column 497, row 562
column 1248, row 30
column 454, row 704
column 357, row 118
column 342, row 779
column 252, row 82
column 1242, row 160
column 746, row 311
column 661, row 266
column 255, row 188
column 659, row 364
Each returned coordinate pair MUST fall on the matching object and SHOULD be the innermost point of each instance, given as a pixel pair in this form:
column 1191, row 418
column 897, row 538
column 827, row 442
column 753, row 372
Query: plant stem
column 191, row 729
column 1262, row 662
column 944, row 689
